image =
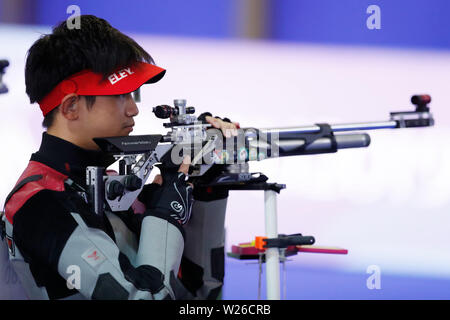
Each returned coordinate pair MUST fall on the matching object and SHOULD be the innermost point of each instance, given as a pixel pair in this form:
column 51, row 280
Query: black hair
column 96, row 45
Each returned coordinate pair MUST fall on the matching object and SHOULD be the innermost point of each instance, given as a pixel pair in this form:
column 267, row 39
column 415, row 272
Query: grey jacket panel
column 10, row 284
column 205, row 241
column 90, row 259
column 161, row 246
column 15, row 271
column 126, row 240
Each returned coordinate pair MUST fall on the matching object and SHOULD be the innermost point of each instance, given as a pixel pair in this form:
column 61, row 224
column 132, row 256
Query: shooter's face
column 109, row 116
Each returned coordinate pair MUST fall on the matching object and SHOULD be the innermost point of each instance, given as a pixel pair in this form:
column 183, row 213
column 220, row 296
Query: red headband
column 88, row 83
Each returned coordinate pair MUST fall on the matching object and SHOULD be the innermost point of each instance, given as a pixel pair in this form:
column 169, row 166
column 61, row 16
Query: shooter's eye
column 123, row 96
column 137, row 95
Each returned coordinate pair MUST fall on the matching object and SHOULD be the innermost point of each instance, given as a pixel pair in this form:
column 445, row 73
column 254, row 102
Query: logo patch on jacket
column 93, row 257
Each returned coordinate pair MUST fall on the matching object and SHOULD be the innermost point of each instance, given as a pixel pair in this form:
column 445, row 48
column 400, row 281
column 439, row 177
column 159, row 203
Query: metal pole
column 272, row 254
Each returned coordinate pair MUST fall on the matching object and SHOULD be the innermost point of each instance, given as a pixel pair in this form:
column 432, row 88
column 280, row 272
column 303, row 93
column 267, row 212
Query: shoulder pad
column 50, row 179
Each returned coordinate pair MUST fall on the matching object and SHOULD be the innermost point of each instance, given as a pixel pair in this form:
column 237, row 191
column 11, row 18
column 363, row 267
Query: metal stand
column 274, row 243
column 272, row 254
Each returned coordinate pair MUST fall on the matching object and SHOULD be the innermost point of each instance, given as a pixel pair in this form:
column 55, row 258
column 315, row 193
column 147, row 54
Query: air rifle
column 137, row 155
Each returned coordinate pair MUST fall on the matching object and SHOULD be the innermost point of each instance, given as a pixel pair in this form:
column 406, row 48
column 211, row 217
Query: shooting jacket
column 55, row 247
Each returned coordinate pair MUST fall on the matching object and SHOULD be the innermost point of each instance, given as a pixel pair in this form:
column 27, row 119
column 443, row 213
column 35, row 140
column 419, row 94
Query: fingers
column 158, row 179
column 229, row 129
column 185, row 165
column 213, row 121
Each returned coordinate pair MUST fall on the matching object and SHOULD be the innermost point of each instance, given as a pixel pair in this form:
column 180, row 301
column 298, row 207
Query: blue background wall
column 166, row 17
column 413, row 23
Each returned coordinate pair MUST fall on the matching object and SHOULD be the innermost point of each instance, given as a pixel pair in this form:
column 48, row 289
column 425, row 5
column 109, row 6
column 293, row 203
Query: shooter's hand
column 228, row 128
column 170, row 193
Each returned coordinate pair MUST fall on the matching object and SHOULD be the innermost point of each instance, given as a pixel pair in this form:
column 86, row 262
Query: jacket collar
column 68, row 158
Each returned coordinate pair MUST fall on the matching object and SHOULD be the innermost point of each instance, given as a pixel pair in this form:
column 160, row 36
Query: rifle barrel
column 292, row 132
